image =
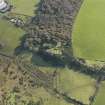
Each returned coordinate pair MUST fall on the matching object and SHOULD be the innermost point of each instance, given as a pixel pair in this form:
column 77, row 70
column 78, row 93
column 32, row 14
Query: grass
column 74, row 84
column 88, row 32
column 9, row 36
column 100, row 99
column 26, row 7
column 49, row 99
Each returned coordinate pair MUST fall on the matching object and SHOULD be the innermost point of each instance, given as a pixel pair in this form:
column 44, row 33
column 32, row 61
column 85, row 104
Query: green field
column 100, row 99
column 25, row 7
column 49, row 99
column 9, row 36
column 74, row 84
column 89, row 31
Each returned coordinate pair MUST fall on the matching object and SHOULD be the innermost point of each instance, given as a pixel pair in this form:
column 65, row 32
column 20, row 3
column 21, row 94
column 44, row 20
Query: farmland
column 77, row 85
column 43, row 69
column 26, row 7
column 9, row 36
column 100, row 96
column 88, row 35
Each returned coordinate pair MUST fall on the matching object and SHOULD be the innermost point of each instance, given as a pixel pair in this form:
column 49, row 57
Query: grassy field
column 49, row 99
column 74, row 84
column 89, row 31
column 25, row 7
column 9, row 36
column 100, row 99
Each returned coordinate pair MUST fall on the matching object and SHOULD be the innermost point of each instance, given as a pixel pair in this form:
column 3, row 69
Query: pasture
column 26, row 7
column 9, row 37
column 74, row 84
column 100, row 99
column 88, row 35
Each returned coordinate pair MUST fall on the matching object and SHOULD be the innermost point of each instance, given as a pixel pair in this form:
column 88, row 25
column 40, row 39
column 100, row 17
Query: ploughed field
column 89, row 31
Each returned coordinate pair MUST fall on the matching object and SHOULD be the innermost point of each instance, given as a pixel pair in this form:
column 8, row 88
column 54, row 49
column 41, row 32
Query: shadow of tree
column 47, row 59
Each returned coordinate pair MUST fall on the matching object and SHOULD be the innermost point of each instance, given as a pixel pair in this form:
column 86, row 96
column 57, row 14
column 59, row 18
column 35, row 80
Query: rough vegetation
column 52, row 25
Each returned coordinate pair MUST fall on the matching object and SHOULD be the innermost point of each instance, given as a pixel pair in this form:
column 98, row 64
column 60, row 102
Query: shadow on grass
column 46, row 59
